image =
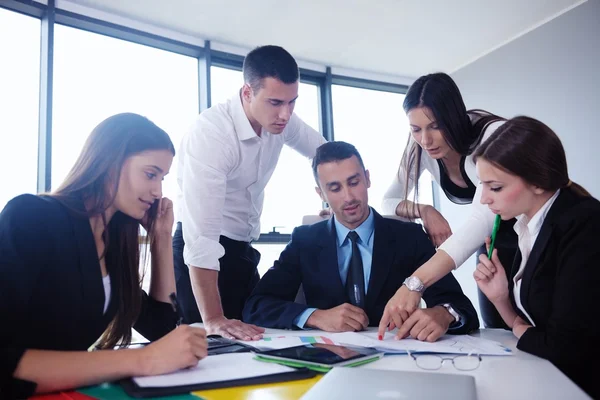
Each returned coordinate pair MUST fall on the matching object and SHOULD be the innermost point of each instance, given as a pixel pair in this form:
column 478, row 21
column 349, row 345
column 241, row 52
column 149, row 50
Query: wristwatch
column 452, row 312
column 414, row 284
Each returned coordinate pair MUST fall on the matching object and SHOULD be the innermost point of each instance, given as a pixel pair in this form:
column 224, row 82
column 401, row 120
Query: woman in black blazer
column 547, row 299
column 69, row 269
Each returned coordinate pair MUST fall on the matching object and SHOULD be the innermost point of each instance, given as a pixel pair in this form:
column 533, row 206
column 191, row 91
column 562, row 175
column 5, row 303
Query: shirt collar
column 535, row 224
column 240, row 120
column 364, row 230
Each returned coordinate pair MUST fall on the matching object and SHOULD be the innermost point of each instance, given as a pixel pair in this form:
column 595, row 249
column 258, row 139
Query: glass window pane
column 375, row 123
column 19, row 102
column 225, row 83
column 269, row 252
column 290, row 193
column 96, row 76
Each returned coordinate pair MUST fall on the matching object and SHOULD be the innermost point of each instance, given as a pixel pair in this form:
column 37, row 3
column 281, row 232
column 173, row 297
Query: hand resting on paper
column 342, row 318
column 426, row 324
column 398, row 309
column 233, row 329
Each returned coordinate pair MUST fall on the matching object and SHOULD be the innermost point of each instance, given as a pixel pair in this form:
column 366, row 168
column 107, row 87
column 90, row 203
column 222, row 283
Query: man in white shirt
column 225, row 162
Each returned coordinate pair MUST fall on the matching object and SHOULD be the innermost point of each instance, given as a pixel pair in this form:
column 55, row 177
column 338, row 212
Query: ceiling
column 405, row 38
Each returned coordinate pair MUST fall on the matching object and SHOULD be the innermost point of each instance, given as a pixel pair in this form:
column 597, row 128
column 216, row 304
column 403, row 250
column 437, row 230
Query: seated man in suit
column 352, row 264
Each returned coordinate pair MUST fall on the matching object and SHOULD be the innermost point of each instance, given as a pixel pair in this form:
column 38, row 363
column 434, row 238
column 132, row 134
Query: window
column 96, row 76
column 375, row 123
column 19, row 102
column 290, row 193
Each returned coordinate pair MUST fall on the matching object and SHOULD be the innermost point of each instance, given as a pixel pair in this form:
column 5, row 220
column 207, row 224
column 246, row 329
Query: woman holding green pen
column 545, row 299
column 443, row 137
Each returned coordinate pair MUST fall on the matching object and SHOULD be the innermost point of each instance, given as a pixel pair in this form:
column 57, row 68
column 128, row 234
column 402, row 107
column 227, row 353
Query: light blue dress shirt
column 366, row 234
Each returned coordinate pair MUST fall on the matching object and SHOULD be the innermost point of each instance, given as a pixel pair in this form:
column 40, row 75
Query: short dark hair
column 334, row 151
column 269, row 62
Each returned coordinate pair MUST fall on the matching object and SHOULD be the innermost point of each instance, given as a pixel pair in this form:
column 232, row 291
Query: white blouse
column 471, row 235
column 528, row 231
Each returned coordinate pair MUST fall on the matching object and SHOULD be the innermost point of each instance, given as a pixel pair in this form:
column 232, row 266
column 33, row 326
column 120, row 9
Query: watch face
column 413, row 283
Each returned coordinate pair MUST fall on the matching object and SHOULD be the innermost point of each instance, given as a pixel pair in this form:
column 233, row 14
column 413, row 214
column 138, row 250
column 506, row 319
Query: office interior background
column 67, row 65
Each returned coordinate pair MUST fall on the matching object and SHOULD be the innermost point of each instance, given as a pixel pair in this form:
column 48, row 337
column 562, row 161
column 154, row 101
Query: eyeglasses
column 432, row 362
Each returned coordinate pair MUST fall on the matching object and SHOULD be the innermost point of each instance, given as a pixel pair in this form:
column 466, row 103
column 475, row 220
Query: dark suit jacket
column 51, row 290
column 310, row 259
column 560, row 277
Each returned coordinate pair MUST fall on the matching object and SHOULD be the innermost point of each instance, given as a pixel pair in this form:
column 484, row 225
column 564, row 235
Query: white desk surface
column 520, row 376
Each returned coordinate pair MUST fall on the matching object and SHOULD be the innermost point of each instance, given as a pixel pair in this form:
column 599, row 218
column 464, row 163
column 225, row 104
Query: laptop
column 365, row 383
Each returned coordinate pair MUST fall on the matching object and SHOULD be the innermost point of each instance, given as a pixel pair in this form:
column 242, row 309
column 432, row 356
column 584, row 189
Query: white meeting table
column 520, row 376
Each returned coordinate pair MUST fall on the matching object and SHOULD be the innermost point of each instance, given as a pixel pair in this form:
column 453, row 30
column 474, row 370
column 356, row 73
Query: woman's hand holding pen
column 181, row 348
column 491, row 276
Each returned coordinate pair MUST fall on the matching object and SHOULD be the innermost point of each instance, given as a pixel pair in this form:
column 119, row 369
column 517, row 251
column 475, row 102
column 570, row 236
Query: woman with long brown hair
column 444, row 135
column 69, row 269
column 546, row 299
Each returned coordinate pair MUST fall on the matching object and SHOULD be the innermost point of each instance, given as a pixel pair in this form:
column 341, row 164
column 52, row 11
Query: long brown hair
column 528, row 148
column 94, row 181
column 462, row 129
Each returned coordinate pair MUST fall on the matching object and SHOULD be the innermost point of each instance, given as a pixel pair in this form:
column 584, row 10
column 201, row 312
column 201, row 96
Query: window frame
column 50, row 15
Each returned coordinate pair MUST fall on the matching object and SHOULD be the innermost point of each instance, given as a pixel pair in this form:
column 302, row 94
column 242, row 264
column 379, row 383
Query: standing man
column 225, row 162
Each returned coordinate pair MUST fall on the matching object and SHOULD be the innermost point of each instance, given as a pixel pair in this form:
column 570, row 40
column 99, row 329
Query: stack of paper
column 456, row 344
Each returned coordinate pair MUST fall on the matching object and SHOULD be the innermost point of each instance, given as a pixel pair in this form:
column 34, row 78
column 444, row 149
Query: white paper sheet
column 294, row 338
column 223, row 367
column 455, row 344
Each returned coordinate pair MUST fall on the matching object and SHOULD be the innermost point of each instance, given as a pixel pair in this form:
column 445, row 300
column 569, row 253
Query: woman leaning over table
column 69, row 269
column 547, row 297
column 443, row 137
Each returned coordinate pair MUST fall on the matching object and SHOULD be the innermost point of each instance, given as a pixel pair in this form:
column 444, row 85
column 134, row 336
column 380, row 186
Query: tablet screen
column 328, row 354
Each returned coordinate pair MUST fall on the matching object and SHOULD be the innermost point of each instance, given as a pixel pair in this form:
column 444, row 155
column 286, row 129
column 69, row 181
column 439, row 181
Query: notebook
column 218, row 371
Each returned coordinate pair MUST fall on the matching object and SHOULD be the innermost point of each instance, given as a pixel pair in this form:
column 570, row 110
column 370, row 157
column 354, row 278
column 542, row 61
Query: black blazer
column 51, row 290
column 560, row 277
column 310, row 259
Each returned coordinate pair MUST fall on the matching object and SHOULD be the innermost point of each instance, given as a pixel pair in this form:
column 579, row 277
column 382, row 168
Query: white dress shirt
column 528, row 231
column 471, row 235
column 223, row 169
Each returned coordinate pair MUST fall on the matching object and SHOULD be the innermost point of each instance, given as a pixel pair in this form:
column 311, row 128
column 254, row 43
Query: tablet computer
column 323, row 355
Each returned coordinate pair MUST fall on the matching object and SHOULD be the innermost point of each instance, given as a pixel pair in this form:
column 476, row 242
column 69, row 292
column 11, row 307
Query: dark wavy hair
column 462, row 129
column 528, row 148
column 94, row 181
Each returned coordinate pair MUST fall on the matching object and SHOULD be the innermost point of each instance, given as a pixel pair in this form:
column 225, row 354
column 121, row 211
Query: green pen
column 494, row 231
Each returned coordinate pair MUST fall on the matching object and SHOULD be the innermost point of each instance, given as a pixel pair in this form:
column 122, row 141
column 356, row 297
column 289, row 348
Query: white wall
column 553, row 74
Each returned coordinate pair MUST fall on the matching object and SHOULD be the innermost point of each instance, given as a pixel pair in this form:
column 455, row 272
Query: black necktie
column 355, row 281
